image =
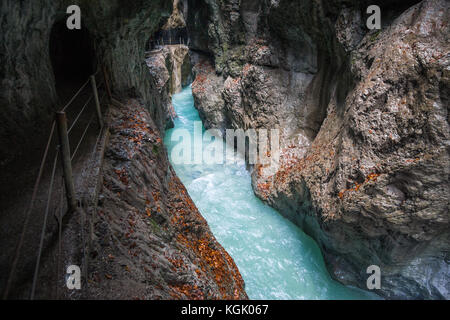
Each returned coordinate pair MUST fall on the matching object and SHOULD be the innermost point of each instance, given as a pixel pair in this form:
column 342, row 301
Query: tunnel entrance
column 72, row 56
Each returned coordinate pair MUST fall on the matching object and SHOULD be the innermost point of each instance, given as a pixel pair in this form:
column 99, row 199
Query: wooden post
column 61, row 120
column 97, row 102
column 105, row 78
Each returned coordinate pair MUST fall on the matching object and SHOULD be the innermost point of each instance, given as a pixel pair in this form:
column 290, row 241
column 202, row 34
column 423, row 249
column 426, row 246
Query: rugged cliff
column 364, row 120
column 29, row 92
column 150, row 241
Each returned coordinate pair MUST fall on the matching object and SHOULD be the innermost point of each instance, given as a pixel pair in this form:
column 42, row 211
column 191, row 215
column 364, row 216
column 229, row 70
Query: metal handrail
column 44, row 226
column 82, row 137
column 27, row 215
column 30, row 208
column 75, row 95
column 79, row 114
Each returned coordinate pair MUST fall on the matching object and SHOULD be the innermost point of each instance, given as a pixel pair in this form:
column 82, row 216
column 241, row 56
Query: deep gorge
column 364, row 124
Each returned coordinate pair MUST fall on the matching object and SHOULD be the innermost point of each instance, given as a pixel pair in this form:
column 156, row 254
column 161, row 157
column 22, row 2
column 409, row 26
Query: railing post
column 61, row 120
column 105, row 77
column 97, row 102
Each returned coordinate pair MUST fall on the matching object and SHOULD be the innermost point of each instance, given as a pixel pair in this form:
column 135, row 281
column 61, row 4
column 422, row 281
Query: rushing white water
column 276, row 259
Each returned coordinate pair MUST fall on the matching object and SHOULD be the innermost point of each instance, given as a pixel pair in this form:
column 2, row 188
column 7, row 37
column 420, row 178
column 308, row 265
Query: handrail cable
column 27, row 215
column 79, row 114
column 44, row 226
column 82, row 137
column 75, row 95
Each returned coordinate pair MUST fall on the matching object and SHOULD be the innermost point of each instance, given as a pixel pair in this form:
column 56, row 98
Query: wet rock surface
column 364, row 120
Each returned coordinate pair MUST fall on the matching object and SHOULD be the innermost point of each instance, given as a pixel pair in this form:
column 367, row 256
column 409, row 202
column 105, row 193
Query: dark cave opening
column 72, row 56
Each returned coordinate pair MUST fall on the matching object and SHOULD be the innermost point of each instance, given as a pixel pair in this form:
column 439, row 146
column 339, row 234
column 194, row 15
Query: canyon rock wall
column 181, row 75
column 364, row 122
column 148, row 239
column 28, row 93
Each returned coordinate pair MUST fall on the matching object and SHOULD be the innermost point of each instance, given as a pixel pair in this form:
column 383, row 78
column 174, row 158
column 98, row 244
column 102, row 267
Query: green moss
column 154, row 226
column 375, row 35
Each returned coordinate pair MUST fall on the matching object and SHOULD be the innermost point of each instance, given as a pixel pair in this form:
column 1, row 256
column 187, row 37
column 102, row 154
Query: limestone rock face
column 206, row 90
column 364, row 120
column 181, row 75
column 176, row 19
column 28, row 93
column 186, row 69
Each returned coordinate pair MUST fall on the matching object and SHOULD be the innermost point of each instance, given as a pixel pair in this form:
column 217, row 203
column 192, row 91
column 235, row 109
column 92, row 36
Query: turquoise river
column 276, row 259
